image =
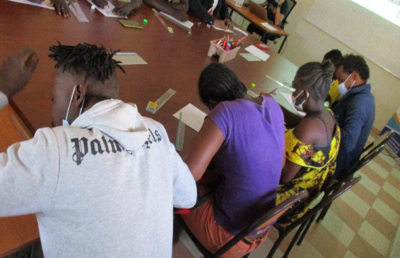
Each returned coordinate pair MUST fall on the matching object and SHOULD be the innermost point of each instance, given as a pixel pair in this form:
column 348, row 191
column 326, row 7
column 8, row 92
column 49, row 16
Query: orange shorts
column 201, row 222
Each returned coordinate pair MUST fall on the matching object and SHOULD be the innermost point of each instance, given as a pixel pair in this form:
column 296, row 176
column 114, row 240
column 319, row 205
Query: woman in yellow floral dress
column 313, row 144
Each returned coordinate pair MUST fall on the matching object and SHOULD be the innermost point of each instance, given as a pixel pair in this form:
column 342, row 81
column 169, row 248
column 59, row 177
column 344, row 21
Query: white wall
column 308, row 43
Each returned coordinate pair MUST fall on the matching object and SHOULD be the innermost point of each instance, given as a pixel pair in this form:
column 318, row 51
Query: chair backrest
column 338, row 189
column 292, row 4
column 381, row 140
column 265, row 220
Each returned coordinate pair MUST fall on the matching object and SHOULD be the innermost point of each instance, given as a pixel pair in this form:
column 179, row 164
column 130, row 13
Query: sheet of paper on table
column 192, row 116
column 107, row 10
column 285, row 100
column 268, row 26
column 187, row 24
column 250, row 57
column 129, row 58
column 45, row 4
column 257, row 52
column 231, row 31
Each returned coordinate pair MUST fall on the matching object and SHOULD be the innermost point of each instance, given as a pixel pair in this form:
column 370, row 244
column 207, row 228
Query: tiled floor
column 363, row 222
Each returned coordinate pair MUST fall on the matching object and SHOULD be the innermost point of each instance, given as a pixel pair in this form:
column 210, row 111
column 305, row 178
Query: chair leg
column 303, row 235
column 323, row 213
column 277, row 243
column 296, row 236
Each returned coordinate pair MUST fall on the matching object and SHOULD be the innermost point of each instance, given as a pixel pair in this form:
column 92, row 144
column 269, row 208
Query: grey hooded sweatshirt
column 103, row 187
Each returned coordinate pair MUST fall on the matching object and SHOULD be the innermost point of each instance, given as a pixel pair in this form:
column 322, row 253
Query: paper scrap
column 250, row 57
column 257, row 52
column 268, row 26
column 285, row 99
column 187, row 24
column 225, row 30
column 282, row 84
column 45, row 4
column 252, row 94
column 192, row 116
column 241, row 31
column 107, row 10
column 129, row 58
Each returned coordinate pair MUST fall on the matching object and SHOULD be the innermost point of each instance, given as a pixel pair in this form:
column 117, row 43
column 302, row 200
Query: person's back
column 355, row 112
column 248, row 161
column 104, row 186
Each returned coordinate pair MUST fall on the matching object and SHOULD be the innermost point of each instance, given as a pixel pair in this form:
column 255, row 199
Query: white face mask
column 342, row 87
column 300, row 106
column 65, row 121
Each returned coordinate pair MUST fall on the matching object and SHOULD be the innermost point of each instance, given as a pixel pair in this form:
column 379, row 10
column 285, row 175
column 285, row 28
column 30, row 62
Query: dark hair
column 316, row 77
column 219, row 83
column 335, row 56
column 94, row 61
column 353, row 63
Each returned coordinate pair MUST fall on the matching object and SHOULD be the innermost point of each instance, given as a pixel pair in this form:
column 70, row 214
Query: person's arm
column 203, row 148
column 355, row 117
column 61, row 7
column 125, row 8
column 291, row 119
column 167, row 8
column 198, row 9
column 29, row 175
column 278, row 15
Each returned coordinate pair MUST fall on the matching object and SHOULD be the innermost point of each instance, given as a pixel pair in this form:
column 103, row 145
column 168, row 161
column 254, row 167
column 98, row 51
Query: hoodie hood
column 117, row 120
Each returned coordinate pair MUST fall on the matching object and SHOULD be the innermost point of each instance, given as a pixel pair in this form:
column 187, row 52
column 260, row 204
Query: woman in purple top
column 243, row 139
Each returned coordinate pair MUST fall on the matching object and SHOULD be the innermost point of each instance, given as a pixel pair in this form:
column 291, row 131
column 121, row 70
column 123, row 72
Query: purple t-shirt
column 249, row 162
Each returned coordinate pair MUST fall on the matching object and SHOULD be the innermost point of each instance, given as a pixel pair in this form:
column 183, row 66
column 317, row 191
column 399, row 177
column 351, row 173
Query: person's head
column 335, row 56
column 353, row 71
column 86, row 74
column 218, row 83
column 312, row 83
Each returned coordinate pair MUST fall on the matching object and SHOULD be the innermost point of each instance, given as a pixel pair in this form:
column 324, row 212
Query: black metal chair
column 261, row 223
column 308, row 218
column 381, row 140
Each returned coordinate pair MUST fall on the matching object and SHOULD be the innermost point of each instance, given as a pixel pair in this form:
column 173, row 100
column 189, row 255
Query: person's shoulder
column 307, row 130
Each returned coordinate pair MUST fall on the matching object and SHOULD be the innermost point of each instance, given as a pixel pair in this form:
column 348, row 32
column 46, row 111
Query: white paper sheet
column 288, row 98
column 241, row 31
column 107, row 10
column 268, row 26
column 282, row 84
column 129, row 58
column 250, row 57
column 192, row 116
column 226, row 30
column 45, row 4
column 257, row 52
column 187, row 24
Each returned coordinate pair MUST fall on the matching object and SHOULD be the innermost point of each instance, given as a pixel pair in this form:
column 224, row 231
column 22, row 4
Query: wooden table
column 22, row 231
column 174, row 60
column 245, row 13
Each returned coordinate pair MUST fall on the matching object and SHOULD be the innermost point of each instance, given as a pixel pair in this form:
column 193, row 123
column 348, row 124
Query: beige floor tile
column 375, row 176
column 324, row 242
column 383, row 163
column 381, row 224
column 364, row 194
column 305, row 250
column 369, row 184
column 356, row 203
column 396, row 173
column 180, row 251
column 264, row 250
column 388, row 213
column 375, row 238
column 349, row 254
column 377, row 169
column 184, row 238
column 338, row 228
column 394, row 181
column 347, row 214
column 390, row 200
column 361, row 249
column 393, row 191
column 386, row 156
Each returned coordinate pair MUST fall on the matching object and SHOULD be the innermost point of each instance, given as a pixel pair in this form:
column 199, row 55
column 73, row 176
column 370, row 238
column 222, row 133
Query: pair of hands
column 16, row 71
column 224, row 24
column 180, row 12
column 121, row 8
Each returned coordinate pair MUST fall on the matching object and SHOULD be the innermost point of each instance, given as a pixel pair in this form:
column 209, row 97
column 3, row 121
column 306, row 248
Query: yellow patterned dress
column 318, row 165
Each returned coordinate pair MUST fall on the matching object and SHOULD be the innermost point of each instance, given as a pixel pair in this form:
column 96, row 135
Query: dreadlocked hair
column 95, row 61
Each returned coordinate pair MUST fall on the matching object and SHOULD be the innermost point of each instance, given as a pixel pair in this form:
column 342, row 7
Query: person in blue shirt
column 355, row 111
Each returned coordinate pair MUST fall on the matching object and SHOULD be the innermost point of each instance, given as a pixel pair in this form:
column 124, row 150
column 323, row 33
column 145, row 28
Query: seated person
column 244, row 137
column 313, row 144
column 335, row 57
column 105, row 186
column 61, row 6
column 177, row 10
column 355, row 111
column 213, row 12
column 277, row 11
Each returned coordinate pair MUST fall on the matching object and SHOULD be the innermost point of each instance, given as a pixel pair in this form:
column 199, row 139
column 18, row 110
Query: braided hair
column 94, row 61
column 219, row 83
column 316, row 78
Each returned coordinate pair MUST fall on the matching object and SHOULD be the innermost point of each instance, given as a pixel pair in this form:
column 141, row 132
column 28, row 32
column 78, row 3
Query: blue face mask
column 65, row 121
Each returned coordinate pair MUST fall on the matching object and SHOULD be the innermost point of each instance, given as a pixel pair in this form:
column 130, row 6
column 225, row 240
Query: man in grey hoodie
column 105, row 183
